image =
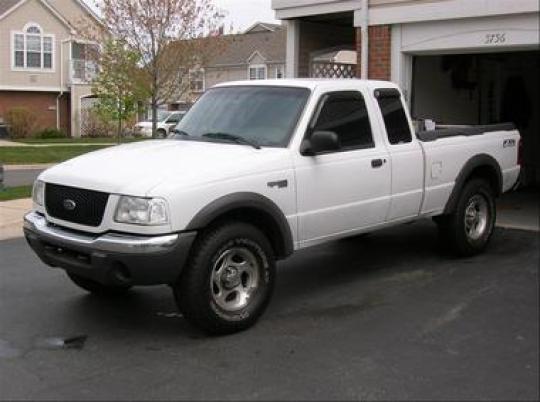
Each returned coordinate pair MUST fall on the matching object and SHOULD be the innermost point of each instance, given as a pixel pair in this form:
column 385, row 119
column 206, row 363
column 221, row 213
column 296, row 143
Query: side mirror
column 319, row 142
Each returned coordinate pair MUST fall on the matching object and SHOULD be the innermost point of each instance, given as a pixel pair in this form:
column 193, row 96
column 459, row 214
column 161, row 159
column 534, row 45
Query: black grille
column 85, row 207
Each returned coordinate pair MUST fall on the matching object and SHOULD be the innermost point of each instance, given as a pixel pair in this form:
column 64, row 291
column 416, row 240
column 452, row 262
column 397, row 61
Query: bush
column 50, row 133
column 93, row 126
column 21, row 122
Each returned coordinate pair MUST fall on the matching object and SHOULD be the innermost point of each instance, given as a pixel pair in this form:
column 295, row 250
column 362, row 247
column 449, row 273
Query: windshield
column 262, row 115
column 161, row 116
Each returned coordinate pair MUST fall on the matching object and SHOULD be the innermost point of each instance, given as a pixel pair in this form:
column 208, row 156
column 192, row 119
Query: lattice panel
column 333, row 70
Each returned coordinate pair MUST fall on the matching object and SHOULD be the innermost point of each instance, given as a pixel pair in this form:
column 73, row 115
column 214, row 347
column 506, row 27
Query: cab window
column 395, row 119
column 345, row 114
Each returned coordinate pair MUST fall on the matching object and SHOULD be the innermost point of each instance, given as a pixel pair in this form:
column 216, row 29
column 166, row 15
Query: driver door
column 346, row 190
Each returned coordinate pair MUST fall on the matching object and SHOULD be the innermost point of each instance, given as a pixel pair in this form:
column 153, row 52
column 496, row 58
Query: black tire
column 161, row 134
column 199, row 293
column 459, row 230
column 97, row 288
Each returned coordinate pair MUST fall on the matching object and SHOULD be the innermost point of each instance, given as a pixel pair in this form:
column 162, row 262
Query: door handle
column 377, row 163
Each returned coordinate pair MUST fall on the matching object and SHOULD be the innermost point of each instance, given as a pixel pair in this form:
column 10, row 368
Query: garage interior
column 485, row 88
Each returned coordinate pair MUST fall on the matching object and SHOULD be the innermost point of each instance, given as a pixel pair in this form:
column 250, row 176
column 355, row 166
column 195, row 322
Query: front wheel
column 229, row 279
column 469, row 229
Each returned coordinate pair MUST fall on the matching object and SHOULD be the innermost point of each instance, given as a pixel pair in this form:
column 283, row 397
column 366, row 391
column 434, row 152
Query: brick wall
column 379, row 67
column 42, row 104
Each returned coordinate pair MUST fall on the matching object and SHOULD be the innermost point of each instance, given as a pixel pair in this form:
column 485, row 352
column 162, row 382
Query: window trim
column 257, row 66
column 42, row 36
column 316, row 114
column 203, row 73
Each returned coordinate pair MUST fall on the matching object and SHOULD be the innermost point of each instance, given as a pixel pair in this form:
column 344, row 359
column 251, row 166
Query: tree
column 166, row 37
column 117, row 84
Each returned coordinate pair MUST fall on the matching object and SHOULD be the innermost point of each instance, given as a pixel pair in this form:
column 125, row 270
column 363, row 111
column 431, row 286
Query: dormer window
column 32, row 49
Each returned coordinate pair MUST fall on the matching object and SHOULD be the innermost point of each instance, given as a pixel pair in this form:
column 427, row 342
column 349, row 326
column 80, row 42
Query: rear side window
column 395, row 119
column 345, row 114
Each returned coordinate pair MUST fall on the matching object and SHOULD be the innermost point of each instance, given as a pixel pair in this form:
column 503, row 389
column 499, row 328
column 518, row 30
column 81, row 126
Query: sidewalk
column 11, row 217
column 6, row 143
column 39, row 166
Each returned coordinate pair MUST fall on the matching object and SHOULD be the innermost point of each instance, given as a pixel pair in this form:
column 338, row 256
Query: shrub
column 50, row 133
column 93, row 126
column 21, row 122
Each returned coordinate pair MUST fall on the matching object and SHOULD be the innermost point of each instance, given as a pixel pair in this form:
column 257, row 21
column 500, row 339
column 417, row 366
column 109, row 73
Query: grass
column 15, row 193
column 104, row 140
column 52, row 154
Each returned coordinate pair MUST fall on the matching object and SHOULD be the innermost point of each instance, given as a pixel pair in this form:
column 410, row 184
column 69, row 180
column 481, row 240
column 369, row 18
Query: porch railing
column 332, row 70
column 82, row 71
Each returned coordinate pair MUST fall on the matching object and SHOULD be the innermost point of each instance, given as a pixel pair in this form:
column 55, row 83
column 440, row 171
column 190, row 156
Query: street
column 390, row 316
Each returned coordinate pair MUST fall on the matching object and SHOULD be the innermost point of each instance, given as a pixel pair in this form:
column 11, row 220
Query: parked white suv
column 166, row 121
column 255, row 171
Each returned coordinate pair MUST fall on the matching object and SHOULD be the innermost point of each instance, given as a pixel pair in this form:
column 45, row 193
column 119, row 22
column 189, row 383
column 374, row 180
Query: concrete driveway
column 388, row 317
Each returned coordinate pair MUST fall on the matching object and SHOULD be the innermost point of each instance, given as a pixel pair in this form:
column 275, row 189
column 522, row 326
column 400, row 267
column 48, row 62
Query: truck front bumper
column 111, row 258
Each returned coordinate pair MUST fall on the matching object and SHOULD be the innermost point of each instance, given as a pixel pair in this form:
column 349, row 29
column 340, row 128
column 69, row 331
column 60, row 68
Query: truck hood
column 135, row 169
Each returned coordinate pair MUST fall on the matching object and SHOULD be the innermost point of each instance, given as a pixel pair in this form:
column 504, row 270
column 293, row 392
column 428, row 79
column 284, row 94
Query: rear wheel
column 96, row 287
column 229, row 279
column 468, row 230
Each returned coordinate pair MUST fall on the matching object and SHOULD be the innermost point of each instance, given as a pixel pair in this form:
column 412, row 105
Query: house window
column 32, row 49
column 196, row 80
column 257, row 72
column 280, row 72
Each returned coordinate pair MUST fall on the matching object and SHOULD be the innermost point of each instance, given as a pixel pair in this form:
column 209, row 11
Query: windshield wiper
column 232, row 137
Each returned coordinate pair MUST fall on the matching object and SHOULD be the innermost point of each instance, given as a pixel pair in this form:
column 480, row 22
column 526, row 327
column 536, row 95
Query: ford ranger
column 255, row 171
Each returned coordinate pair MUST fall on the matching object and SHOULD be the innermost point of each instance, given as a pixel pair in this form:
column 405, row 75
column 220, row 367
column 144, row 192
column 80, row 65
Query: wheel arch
column 479, row 166
column 251, row 208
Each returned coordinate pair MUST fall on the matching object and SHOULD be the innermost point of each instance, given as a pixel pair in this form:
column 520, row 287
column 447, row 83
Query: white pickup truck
column 255, row 171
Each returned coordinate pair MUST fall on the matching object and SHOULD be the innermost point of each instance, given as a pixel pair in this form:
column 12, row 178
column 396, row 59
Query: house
column 257, row 53
column 458, row 61
column 43, row 64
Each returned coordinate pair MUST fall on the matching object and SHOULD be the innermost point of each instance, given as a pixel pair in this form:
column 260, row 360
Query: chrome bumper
column 109, row 243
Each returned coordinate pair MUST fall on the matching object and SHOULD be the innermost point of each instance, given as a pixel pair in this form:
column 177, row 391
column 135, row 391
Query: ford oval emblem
column 69, row 205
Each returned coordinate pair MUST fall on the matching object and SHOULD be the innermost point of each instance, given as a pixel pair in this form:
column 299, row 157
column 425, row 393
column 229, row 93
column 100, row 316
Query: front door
column 343, row 191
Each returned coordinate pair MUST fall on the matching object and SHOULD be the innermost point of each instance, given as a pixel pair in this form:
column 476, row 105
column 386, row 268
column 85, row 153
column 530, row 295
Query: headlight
column 38, row 193
column 142, row 211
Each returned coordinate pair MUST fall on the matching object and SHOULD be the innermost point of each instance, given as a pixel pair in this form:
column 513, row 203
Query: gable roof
column 7, row 5
column 14, row 4
column 238, row 49
column 263, row 26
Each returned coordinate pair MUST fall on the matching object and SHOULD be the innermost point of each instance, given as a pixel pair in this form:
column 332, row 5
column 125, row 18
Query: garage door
column 483, row 89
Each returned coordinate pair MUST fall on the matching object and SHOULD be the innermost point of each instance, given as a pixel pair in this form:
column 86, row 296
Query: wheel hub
column 235, row 278
column 476, row 217
column 231, row 278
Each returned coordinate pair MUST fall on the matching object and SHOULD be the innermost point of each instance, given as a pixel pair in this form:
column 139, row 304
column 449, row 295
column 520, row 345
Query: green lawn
column 104, row 140
column 15, row 193
column 52, row 154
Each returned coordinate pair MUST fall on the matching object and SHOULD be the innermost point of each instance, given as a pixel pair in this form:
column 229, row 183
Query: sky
column 240, row 13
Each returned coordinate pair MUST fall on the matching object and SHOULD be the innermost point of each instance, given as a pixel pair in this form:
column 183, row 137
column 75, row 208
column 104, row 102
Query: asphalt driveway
column 388, row 317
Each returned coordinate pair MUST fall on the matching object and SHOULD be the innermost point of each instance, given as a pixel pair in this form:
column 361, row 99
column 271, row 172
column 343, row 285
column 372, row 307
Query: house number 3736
column 495, row 38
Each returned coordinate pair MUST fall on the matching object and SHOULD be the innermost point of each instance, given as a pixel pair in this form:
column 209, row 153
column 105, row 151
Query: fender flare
column 252, row 201
column 477, row 161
